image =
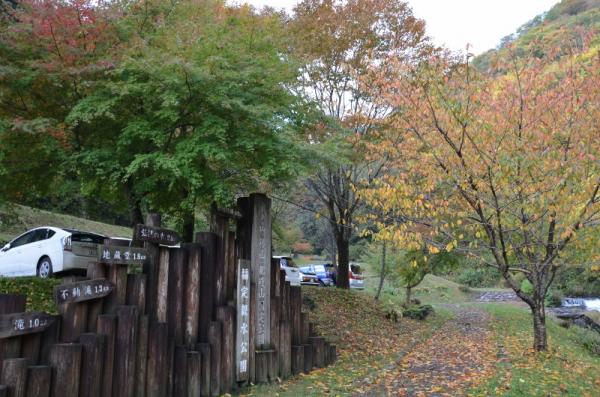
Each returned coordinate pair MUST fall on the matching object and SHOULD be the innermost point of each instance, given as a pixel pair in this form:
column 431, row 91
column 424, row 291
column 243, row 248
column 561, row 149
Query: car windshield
column 319, row 268
column 289, row 262
column 355, row 269
column 87, row 238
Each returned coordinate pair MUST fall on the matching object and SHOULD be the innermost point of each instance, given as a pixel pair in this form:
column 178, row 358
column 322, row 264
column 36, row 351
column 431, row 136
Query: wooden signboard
column 155, row 235
column 82, row 291
column 113, row 254
column 17, row 324
column 261, row 268
column 242, row 349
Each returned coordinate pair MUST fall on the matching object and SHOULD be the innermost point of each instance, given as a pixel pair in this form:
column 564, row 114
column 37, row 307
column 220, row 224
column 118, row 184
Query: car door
column 29, row 253
column 11, row 260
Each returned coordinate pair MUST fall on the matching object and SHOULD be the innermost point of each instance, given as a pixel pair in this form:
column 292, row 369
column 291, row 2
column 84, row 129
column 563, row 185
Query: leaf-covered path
column 458, row 355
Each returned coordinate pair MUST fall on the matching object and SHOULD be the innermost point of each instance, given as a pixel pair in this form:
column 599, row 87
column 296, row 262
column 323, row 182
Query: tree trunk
column 540, row 340
column 343, row 249
column 382, row 275
column 189, row 221
column 408, row 293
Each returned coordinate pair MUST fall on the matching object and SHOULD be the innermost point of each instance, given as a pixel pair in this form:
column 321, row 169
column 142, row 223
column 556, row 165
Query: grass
column 37, row 290
column 568, row 368
column 16, row 219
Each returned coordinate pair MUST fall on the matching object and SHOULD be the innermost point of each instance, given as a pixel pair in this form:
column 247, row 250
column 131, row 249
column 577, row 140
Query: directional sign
column 17, row 324
column 155, row 235
column 114, row 254
column 82, row 291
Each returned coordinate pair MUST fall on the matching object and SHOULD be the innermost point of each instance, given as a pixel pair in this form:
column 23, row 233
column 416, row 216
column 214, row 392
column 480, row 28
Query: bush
column 526, row 287
column 554, row 299
column 39, row 291
column 478, row 277
column 419, row 312
column 587, row 338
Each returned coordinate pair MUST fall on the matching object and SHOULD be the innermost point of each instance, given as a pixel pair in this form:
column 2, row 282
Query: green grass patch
column 37, row 290
column 568, row 368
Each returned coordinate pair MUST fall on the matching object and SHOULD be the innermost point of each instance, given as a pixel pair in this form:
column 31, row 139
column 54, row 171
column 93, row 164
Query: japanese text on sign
column 243, row 321
column 24, row 323
column 82, row 291
column 110, row 254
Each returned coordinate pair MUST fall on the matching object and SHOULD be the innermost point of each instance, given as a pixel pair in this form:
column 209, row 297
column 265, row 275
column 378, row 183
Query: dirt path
column 456, row 356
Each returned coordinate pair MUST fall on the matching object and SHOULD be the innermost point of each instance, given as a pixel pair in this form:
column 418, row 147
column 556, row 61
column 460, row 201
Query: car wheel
column 44, row 268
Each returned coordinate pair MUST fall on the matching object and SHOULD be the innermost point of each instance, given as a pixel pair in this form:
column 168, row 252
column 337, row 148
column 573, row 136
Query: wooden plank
column 285, row 352
column 262, row 365
column 295, row 311
column 38, row 381
column 117, row 274
column 14, row 375
column 141, row 357
column 318, row 344
column 92, row 360
column 136, row 292
column 275, row 307
column 30, row 347
column 242, row 344
column 226, row 316
column 107, row 326
column 231, row 281
column 11, row 303
column 162, row 286
column 180, row 371
column 17, row 324
column 208, row 242
column 119, row 255
column 49, row 337
column 177, row 272
column 194, row 369
column 204, row 349
column 308, row 358
column 297, row 359
column 74, row 321
column 192, row 316
column 65, row 359
column 215, row 337
column 126, row 347
column 219, row 225
column 82, row 291
column 156, row 235
column 95, row 271
column 150, row 267
column 157, row 374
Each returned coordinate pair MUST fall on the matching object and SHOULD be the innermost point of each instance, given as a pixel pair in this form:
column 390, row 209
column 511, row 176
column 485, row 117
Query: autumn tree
column 339, row 43
column 504, row 167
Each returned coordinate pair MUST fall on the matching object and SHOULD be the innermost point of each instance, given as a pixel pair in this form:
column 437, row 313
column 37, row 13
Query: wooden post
column 192, row 303
column 74, row 316
column 95, row 271
column 263, row 364
column 243, row 347
column 304, row 332
column 177, row 271
column 150, row 268
column 318, row 344
column 215, row 337
column 156, row 378
column 194, row 369
column 297, row 359
column 162, row 285
column 10, row 303
column 30, row 347
column 219, row 225
column 295, row 309
column 208, row 242
column 285, row 353
column 141, row 357
column 226, row 315
column 126, row 350
column 107, row 325
column 50, row 336
column 14, row 375
column 38, row 381
column 332, row 354
column 65, row 359
column 180, row 371
column 275, row 335
column 136, row 291
column 231, row 267
column 308, row 358
column 204, row 349
column 92, row 360
column 117, row 274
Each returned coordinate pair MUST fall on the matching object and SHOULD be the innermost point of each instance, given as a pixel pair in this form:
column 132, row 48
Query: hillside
column 568, row 16
column 16, row 219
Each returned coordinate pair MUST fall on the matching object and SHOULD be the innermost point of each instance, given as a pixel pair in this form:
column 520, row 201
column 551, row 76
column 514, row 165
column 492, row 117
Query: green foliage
column 527, row 287
column 39, row 291
column 478, row 277
column 578, row 281
column 417, row 312
column 587, row 338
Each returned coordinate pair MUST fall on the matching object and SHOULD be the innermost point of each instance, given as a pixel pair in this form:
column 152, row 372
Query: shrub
column 39, row 291
column 526, row 287
column 587, row 338
column 554, row 299
column 478, row 277
column 419, row 312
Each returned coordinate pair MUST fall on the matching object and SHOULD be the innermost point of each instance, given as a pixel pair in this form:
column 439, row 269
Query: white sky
column 456, row 23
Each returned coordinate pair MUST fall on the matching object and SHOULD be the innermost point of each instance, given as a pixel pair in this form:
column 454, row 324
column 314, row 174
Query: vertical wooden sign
column 242, row 355
column 261, row 267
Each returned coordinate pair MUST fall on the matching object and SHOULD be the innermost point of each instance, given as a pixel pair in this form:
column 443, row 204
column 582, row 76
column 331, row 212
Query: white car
column 292, row 274
column 46, row 250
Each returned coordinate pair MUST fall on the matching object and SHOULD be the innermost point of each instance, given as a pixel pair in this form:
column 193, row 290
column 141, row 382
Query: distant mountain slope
column 568, row 15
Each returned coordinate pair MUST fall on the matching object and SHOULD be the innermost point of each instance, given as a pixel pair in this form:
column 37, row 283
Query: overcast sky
column 456, row 23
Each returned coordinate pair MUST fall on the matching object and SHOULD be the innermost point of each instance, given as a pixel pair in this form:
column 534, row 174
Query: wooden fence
column 202, row 319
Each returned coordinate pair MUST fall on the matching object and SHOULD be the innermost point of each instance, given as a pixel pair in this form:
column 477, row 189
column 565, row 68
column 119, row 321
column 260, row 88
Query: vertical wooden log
column 226, row 315
column 204, row 349
column 141, row 357
column 262, row 365
column 231, row 267
column 30, row 347
column 177, row 268
column 285, row 353
column 38, row 381
column 275, row 334
column 162, row 285
column 326, row 354
column 332, row 354
column 318, row 344
column 308, row 358
column 219, row 225
column 156, row 378
column 208, row 242
column 304, row 333
column 107, row 326
column 215, row 337
column 297, row 359
column 3, row 391
column 11, row 303
column 65, row 359
column 126, row 350
column 95, row 307
column 170, row 365
column 192, row 292
column 92, row 360
column 180, row 371
column 14, row 375
column 151, row 269
column 275, row 279
column 117, row 274
column 74, row 321
column 295, row 309
column 136, row 292
column 50, row 336
column 194, row 368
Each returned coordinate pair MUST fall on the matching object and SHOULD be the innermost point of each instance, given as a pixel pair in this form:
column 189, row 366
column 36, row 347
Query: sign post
column 242, row 351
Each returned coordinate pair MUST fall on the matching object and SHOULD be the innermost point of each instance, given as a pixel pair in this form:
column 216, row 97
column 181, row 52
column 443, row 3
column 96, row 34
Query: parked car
column 46, row 250
column 355, row 276
column 317, row 275
column 292, row 274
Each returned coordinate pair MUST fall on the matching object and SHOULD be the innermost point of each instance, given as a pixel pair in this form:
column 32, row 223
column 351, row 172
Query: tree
column 339, row 43
column 506, row 163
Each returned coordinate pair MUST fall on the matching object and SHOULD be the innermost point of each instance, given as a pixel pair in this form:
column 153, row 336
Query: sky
column 455, row 23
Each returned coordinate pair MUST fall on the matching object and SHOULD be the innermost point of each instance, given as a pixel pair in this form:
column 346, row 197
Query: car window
column 355, row 269
column 39, row 235
column 50, row 234
column 24, row 239
column 320, row 268
column 87, row 238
